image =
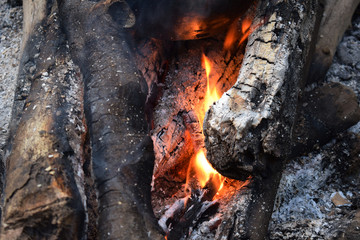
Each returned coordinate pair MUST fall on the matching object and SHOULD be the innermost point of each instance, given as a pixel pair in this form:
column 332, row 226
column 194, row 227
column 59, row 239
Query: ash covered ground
column 10, row 39
column 319, row 194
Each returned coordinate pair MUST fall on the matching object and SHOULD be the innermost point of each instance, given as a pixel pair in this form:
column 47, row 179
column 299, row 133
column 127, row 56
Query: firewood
column 336, row 19
column 256, row 115
column 114, row 101
column 42, row 196
column 248, row 131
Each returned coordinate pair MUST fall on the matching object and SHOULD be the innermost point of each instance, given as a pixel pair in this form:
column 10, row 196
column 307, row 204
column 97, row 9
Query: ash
column 10, row 39
column 305, row 206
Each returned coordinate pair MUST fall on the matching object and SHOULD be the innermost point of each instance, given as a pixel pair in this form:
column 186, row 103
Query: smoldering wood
column 176, row 127
column 256, row 115
column 248, row 131
column 43, row 198
column 177, row 136
column 115, row 94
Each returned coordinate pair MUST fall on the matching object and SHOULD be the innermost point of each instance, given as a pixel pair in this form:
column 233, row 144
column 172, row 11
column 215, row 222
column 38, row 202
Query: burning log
column 248, row 131
column 255, row 116
column 192, row 83
column 43, row 196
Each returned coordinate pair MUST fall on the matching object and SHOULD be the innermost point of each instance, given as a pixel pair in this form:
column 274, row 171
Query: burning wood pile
column 132, row 122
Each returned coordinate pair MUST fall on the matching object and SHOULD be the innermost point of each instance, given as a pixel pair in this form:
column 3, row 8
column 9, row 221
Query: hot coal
column 185, row 214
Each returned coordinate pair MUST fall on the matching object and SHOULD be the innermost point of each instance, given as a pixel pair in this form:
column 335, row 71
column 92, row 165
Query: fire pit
column 131, row 124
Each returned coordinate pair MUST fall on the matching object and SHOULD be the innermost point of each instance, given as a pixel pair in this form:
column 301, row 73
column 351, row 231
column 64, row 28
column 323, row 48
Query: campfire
column 161, row 119
column 202, row 189
column 187, row 192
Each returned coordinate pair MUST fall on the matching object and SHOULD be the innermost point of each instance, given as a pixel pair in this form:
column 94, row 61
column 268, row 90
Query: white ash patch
column 10, row 39
column 301, row 190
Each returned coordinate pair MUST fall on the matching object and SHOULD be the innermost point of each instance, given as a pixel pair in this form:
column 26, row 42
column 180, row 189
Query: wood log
column 336, row 19
column 256, row 115
column 43, row 197
column 115, row 94
column 323, row 113
column 248, row 131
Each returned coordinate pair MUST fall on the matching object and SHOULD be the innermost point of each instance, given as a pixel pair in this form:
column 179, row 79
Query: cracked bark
column 248, row 131
column 42, row 196
column 115, row 94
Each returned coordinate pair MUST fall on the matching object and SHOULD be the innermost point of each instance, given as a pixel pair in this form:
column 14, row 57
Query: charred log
column 115, row 94
column 42, row 195
column 248, row 131
column 256, row 115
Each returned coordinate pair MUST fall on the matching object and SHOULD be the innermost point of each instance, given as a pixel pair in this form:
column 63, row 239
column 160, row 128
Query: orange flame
column 245, row 25
column 231, row 36
column 211, row 94
column 203, row 170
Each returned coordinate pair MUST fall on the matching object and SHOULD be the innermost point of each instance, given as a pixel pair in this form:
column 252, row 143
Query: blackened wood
column 42, row 198
column 115, row 94
column 323, row 113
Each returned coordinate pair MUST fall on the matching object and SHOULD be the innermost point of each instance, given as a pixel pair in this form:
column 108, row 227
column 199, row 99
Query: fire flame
column 211, row 94
column 204, row 172
column 233, row 34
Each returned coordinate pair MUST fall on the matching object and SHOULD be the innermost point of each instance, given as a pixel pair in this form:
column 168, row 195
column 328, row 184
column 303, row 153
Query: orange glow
column 204, row 173
column 231, row 36
column 245, row 25
column 211, row 94
column 246, row 30
column 244, row 37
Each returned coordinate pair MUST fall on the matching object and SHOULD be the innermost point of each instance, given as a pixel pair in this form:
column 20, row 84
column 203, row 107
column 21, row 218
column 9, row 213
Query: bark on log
column 43, row 199
column 248, row 131
column 115, row 94
column 256, row 115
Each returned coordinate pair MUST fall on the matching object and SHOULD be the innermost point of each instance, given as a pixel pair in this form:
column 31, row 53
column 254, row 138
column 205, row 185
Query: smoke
column 185, row 19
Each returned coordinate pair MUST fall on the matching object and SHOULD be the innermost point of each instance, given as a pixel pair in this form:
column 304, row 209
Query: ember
column 187, row 190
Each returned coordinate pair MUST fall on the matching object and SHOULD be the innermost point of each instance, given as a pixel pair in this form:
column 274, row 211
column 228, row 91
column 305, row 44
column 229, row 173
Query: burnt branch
column 42, row 195
column 115, row 95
